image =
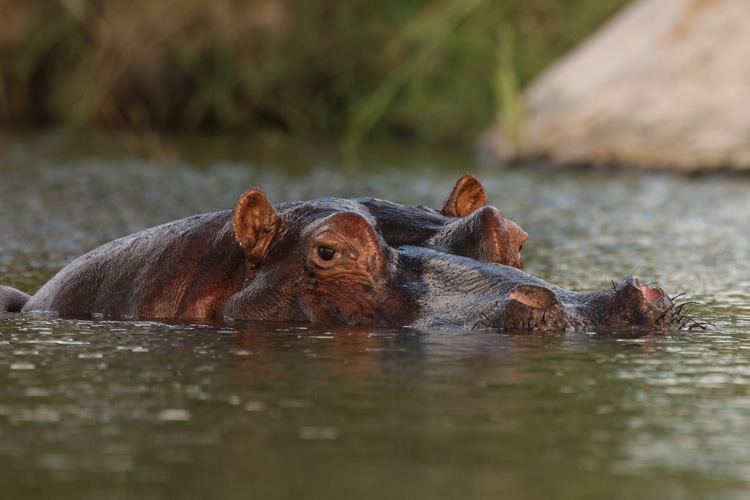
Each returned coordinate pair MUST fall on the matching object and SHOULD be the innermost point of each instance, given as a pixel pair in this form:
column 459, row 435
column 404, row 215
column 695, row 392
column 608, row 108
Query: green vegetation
column 435, row 71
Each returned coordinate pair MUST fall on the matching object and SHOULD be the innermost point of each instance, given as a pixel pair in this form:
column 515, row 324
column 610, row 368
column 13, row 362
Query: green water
column 148, row 410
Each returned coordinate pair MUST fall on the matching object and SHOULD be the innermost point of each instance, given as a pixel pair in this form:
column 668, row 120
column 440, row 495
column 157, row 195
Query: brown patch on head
column 483, row 235
column 504, row 238
column 346, row 243
column 346, row 265
column 255, row 224
column 467, row 196
column 500, row 240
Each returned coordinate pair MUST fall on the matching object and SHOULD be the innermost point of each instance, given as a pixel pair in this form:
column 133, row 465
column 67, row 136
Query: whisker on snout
column 676, row 297
column 688, row 320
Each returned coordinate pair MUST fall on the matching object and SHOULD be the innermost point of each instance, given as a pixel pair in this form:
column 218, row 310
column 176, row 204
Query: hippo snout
column 651, row 294
column 630, row 304
column 643, row 293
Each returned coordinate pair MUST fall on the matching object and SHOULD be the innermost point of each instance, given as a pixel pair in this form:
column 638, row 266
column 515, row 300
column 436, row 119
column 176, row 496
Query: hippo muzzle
column 459, row 293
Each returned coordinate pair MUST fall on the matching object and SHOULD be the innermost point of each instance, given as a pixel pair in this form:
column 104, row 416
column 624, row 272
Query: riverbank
column 432, row 71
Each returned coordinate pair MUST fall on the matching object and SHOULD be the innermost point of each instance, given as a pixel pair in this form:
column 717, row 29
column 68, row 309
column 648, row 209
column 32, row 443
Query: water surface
column 152, row 410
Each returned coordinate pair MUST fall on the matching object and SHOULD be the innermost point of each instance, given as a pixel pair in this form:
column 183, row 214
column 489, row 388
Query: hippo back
column 183, row 269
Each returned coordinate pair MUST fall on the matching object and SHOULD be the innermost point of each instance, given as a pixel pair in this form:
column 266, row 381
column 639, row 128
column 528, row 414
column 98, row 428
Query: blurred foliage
column 425, row 70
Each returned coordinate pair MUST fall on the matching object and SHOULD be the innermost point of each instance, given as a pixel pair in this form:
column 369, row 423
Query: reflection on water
column 149, row 410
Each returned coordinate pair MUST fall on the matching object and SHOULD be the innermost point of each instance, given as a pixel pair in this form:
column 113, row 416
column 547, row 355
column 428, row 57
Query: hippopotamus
column 357, row 261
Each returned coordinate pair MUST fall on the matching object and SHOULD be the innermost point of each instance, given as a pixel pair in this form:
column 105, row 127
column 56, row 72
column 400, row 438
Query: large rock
column 665, row 83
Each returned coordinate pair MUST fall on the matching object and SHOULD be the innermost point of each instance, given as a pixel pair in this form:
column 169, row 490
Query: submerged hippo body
column 360, row 261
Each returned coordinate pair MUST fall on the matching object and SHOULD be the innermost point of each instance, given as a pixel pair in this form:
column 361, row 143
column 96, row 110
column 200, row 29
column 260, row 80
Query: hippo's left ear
column 467, row 196
column 255, row 223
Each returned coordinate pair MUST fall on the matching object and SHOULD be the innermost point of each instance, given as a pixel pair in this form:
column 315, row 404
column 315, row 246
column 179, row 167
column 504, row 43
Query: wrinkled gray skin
column 460, row 293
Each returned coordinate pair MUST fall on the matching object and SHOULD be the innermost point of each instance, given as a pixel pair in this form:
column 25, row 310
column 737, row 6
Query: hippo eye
column 520, row 248
column 326, row 253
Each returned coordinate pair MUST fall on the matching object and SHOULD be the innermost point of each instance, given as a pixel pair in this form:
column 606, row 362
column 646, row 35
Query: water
column 150, row 410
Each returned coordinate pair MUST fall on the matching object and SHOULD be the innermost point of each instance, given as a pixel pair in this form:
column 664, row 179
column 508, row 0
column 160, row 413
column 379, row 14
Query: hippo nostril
column 633, row 287
column 651, row 294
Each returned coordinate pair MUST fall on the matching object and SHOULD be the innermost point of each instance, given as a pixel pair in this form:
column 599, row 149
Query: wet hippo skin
column 330, row 260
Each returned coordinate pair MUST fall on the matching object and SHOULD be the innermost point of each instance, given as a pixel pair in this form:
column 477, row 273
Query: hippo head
column 336, row 260
column 626, row 306
column 367, row 261
column 465, row 225
column 465, row 294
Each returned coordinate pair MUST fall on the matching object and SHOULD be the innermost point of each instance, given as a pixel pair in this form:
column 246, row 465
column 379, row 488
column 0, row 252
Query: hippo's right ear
column 255, row 223
column 467, row 196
